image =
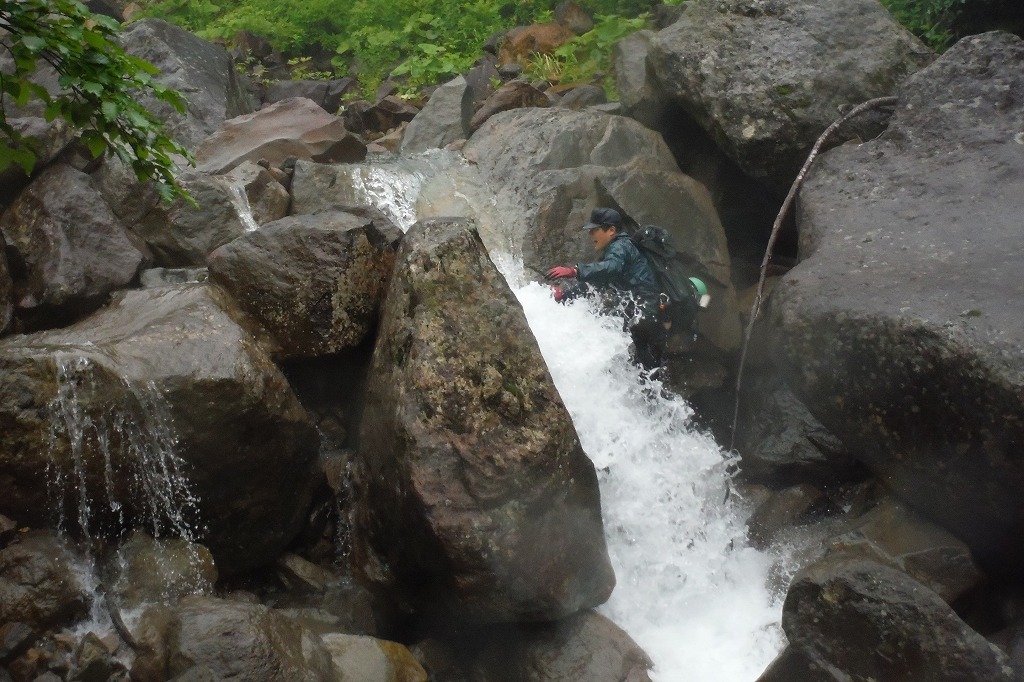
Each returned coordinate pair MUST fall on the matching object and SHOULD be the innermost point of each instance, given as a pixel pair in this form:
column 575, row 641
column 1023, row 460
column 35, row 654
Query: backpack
column 684, row 293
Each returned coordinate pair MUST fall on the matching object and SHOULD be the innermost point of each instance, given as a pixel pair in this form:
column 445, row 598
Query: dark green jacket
column 621, row 267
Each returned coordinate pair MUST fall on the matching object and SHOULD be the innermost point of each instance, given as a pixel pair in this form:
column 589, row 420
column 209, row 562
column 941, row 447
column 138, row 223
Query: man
column 625, row 273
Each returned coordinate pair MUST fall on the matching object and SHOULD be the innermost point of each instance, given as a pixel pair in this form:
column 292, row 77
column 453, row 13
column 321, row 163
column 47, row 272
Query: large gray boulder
column 181, row 234
column 160, row 411
column 552, row 166
column 903, row 330
column 863, row 620
column 372, row 660
column 445, row 118
column 314, row 282
column 235, row 640
column 70, row 250
column 295, row 127
column 201, row 71
column 39, row 584
column 473, row 494
column 765, row 78
column 893, row 535
column 47, row 139
column 146, row 570
column 640, row 94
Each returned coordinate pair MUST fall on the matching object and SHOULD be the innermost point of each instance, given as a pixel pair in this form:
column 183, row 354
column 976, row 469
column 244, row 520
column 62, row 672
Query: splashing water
column 136, row 441
column 689, row 589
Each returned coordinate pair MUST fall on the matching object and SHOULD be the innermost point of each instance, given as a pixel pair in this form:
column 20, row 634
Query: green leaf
column 96, row 143
column 110, row 110
column 34, row 43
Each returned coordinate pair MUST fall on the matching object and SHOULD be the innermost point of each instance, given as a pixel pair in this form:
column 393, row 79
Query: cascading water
column 137, row 437
column 143, row 482
column 690, row 590
column 242, row 206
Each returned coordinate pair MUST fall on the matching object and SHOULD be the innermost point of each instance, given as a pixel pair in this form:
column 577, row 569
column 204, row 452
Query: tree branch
column 794, row 188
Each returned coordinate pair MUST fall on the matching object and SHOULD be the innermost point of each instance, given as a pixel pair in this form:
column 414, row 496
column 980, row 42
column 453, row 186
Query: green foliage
column 420, row 41
column 587, row 57
column 99, row 87
column 929, row 20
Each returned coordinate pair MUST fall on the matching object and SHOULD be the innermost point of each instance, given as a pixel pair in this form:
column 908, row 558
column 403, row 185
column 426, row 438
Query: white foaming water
column 689, row 589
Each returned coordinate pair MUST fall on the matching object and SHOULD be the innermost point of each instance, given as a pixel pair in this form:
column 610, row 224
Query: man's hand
column 558, row 293
column 561, row 271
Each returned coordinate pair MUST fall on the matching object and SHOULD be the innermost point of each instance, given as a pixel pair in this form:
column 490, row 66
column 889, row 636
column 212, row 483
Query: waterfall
column 137, row 443
column 243, row 208
column 690, row 590
column 143, row 481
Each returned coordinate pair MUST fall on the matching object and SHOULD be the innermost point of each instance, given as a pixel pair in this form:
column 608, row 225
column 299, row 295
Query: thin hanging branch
column 878, row 102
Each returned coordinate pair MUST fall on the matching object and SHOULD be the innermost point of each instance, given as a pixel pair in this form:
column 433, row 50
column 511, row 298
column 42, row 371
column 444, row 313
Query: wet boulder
column 372, row 660
column 126, row 196
column 147, row 570
column 764, row 79
column 387, row 113
column 578, row 97
column 39, row 584
column 893, row 535
column 235, row 640
column 444, row 119
column 182, row 234
column 473, row 494
column 202, row 71
column 314, row 282
column 47, row 139
column 160, row 411
column 902, row 330
column 68, row 249
column 640, row 93
column 295, row 127
column 515, row 94
column 526, row 153
column 782, row 442
column 868, row 621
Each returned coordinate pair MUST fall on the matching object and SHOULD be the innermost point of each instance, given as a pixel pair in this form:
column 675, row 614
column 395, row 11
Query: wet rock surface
column 870, row 621
column 171, row 358
column 295, row 127
column 38, row 583
column 466, row 452
column 764, row 79
column 905, row 341
column 68, row 249
column 247, row 641
column 314, row 282
column 190, row 65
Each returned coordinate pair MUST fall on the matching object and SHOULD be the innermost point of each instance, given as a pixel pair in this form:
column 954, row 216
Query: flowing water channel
column 690, row 590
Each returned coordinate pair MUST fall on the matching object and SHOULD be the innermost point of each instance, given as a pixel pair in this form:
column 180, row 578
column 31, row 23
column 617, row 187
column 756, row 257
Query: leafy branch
column 99, row 86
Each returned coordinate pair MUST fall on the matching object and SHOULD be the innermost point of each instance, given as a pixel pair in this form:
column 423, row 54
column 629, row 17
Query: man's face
column 602, row 236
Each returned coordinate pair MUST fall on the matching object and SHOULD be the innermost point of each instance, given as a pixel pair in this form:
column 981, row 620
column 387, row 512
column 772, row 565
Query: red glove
column 561, row 271
column 558, row 294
